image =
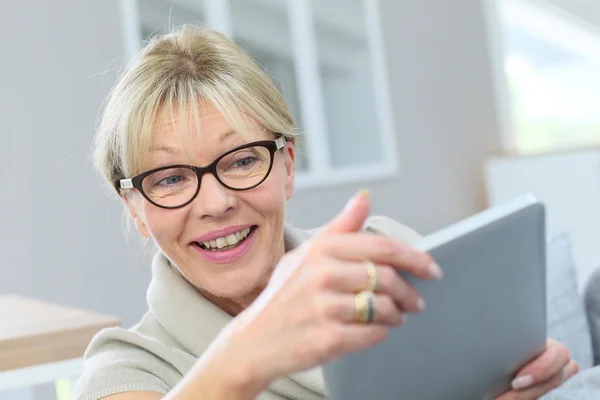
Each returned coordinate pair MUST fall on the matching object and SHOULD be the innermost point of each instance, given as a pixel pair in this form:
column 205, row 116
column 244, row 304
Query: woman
column 242, row 305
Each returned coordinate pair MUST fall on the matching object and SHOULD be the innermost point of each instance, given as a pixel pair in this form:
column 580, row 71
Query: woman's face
column 234, row 271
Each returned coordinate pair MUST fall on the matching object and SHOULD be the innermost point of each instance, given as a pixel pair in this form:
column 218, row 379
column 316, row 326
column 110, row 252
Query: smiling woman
column 199, row 144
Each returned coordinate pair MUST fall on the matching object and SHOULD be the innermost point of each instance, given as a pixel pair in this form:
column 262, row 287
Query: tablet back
column 483, row 321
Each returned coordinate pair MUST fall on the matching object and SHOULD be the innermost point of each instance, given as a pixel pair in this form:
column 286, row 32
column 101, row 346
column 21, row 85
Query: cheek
column 267, row 203
column 270, row 196
column 165, row 225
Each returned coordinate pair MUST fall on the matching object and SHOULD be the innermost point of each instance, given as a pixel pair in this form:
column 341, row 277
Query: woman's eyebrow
column 174, row 150
column 164, row 149
column 225, row 136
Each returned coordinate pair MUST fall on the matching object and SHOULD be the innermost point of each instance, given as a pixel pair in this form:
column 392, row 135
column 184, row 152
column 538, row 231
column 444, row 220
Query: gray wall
column 61, row 234
column 443, row 104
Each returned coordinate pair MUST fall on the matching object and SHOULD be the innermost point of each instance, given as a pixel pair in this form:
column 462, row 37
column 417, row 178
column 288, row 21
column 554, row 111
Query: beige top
column 179, row 326
column 34, row 332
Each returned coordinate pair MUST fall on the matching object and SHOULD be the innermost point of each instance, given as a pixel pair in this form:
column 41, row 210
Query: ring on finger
column 365, row 306
column 372, row 273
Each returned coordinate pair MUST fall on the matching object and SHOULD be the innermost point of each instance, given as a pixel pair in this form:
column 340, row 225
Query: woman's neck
column 236, row 305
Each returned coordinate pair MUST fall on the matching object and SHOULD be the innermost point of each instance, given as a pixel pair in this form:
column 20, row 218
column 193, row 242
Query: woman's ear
column 289, row 159
column 135, row 211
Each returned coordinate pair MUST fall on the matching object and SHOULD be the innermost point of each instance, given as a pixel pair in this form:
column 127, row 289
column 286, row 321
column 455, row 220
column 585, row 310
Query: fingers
column 537, row 391
column 353, row 278
column 380, row 250
column 342, row 308
column 340, row 239
column 571, row 369
column 351, row 218
column 550, row 370
column 549, row 364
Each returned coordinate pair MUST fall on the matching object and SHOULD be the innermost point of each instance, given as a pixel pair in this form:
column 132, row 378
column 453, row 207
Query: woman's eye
column 244, row 162
column 170, row 180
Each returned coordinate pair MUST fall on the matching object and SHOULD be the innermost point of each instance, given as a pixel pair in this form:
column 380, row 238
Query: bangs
column 181, row 105
column 173, row 77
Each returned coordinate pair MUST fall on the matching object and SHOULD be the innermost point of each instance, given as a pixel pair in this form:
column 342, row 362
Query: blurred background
column 440, row 108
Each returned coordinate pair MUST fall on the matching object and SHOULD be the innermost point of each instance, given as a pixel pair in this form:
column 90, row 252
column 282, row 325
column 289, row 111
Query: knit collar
column 194, row 322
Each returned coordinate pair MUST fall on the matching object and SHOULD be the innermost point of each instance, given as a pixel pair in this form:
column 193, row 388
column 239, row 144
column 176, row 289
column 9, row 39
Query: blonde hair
column 178, row 71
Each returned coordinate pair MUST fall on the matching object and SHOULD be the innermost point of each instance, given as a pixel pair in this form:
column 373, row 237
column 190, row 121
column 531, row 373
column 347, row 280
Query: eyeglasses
column 174, row 186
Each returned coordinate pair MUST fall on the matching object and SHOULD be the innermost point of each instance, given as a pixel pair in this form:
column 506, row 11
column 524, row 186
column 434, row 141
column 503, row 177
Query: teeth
column 231, row 239
column 221, row 242
column 228, row 240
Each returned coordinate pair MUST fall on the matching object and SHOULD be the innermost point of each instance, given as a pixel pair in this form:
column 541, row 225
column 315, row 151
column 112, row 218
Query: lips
column 225, row 242
column 228, row 253
column 221, row 233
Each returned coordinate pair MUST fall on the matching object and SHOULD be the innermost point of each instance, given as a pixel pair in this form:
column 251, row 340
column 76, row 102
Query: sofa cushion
column 567, row 319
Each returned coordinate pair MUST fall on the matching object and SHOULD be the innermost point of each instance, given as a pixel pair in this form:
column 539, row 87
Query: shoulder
column 143, row 358
column 382, row 225
column 376, row 224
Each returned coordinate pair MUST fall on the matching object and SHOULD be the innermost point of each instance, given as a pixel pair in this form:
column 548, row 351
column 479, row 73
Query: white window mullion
column 308, row 77
column 506, row 120
column 218, row 16
column 379, row 76
column 131, row 27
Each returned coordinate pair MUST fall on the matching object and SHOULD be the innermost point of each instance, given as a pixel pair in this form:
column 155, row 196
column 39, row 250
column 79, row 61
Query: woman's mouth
column 228, row 242
column 227, row 249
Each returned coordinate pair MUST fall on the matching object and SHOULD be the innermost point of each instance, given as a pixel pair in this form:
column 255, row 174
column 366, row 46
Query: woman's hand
column 544, row 374
column 306, row 316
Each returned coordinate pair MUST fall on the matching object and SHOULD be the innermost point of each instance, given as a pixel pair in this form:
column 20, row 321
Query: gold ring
column 372, row 272
column 365, row 307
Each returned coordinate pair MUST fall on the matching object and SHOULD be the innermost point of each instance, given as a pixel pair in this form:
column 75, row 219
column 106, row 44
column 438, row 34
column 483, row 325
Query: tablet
column 484, row 320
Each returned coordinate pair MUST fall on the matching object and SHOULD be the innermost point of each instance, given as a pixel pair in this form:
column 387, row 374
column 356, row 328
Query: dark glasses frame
column 136, row 182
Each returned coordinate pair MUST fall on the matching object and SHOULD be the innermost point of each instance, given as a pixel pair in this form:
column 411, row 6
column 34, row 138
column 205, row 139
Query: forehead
column 203, row 122
column 200, row 131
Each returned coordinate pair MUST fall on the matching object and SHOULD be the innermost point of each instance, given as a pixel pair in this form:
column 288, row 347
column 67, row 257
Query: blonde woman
column 199, row 144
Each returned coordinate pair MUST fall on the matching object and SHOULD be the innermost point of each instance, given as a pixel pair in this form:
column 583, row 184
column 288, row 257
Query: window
column 327, row 59
column 549, row 83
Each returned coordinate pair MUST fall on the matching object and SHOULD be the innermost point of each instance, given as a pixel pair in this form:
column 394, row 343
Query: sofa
column 573, row 318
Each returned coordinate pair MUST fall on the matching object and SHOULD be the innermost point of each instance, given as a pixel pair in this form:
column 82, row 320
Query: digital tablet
column 484, row 320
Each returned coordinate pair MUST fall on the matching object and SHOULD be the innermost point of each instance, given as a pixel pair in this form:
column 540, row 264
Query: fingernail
column 420, row 304
column 522, row 382
column 435, row 271
column 364, row 193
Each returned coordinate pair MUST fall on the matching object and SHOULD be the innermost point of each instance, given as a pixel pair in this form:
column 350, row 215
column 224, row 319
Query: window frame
column 542, row 19
column 319, row 172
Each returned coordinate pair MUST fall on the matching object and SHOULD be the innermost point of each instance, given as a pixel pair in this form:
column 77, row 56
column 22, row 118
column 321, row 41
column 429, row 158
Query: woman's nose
column 213, row 200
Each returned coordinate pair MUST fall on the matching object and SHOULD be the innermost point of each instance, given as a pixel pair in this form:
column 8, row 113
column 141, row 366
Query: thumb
column 352, row 217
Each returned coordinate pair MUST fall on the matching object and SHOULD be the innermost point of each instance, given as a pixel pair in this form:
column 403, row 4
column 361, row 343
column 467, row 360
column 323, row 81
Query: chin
column 245, row 279
column 235, row 272
column 240, row 288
